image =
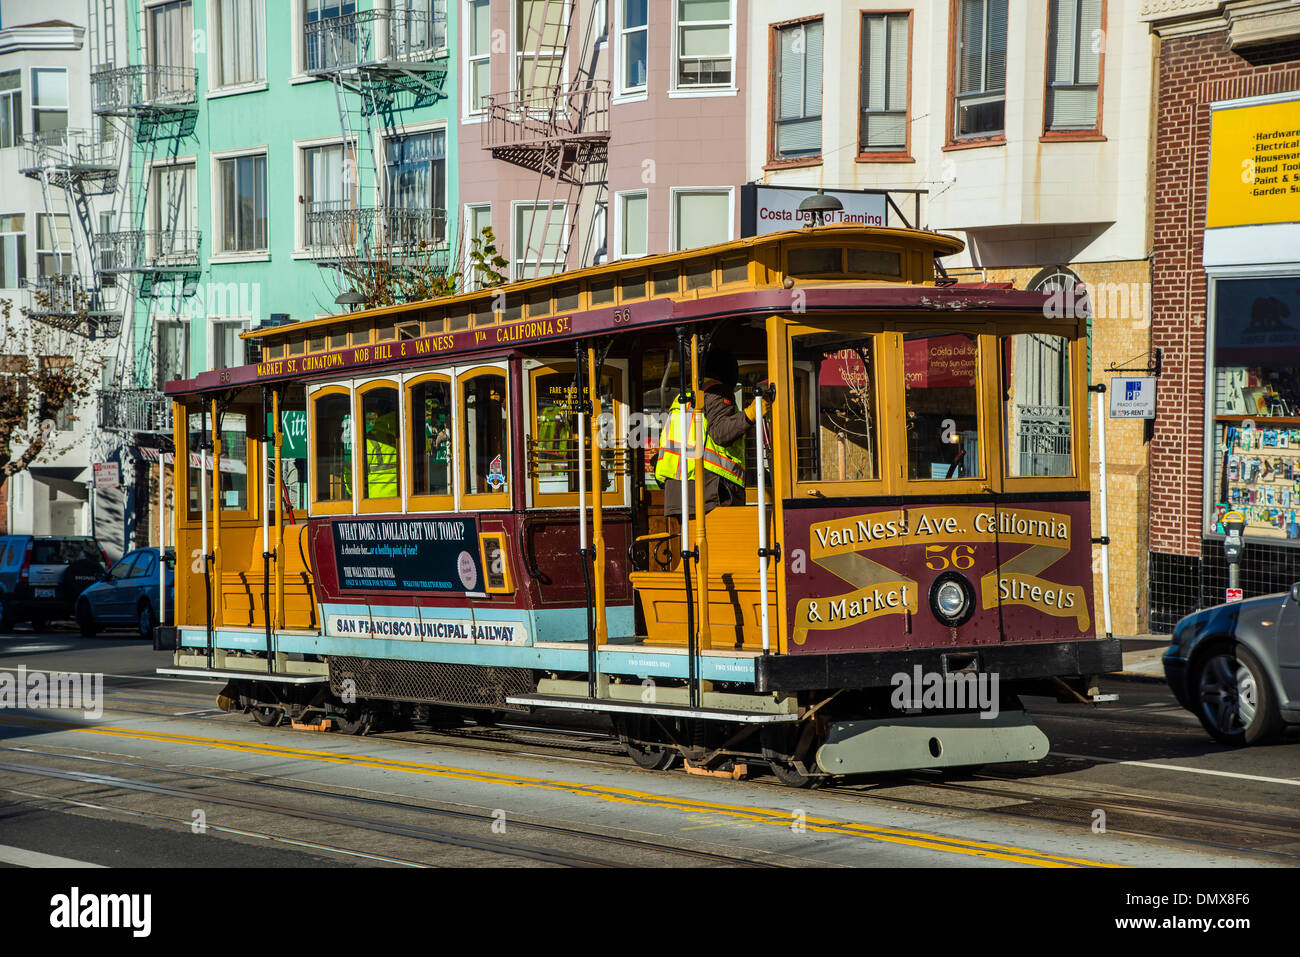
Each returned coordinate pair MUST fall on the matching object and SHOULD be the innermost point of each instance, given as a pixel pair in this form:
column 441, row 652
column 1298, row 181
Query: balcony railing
column 82, row 151
column 69, row 302
column 336, row 230
column 143, row 88
column 148, row 250
column 135, row 410
column 543, row 115
column 374, row 38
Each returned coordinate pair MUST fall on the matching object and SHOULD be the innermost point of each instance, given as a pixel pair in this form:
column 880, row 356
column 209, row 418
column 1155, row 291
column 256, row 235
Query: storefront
column 1225, row 303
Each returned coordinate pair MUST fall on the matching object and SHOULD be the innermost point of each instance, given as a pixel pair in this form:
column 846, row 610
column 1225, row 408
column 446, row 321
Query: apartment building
column 1021, row 126
column 51, row 154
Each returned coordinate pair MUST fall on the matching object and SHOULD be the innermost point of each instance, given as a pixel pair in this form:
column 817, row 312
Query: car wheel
column 144, row 618
column 1235, row 701
column 86, row 621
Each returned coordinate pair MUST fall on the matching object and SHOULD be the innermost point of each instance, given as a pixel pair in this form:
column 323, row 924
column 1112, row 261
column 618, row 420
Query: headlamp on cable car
column 952, row 599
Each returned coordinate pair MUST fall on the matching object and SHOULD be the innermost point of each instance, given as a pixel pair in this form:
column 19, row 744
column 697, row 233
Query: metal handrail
column 143, row 87
column 135, row 249
column 545, row 114
column 331, row 226
column 68, row 149
column 373, row 38
column 135, row 410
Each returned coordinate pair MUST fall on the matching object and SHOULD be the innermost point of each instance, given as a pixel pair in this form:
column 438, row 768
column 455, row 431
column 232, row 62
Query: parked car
column 42, row 576
column 1237, row 667
column 127, row 595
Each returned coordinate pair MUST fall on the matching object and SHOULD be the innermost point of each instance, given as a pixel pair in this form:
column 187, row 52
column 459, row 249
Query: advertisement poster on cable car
column 439, row 555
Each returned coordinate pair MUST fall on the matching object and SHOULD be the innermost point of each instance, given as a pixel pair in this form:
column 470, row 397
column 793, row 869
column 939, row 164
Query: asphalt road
column 164, row 779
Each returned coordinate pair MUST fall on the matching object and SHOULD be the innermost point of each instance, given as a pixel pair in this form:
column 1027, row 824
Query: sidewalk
column 1142, row 655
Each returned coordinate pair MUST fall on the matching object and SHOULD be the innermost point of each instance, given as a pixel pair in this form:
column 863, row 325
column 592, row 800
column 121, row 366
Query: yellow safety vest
column 381, row 461
column 727, row 461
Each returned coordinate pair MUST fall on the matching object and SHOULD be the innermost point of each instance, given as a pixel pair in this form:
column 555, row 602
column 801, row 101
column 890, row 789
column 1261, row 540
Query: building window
column 416, row 28
column 175, row 212
column 325, row 194
column 701, row 217
column 1073, row 64
column 416, row 168
column 173, row 349
column 242, row 186
column 539, row 49
column 1256, row 387
column 633, row 45
column 598, row 242
column 884, row 123
column 227, row 348
column 980, row 100
column 323, row 49
column 53, row 246
column 171, row 36
column 49, row 100
column 797, row 96
column 241, row 39
column 13, row 251
column 705, row 38
column 478, row 217
column 11, row 108
column 633, row 224
column 478, row 59
column 539, row 240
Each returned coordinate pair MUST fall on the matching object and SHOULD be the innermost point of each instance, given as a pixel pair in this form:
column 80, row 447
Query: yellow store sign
column 1255, row 165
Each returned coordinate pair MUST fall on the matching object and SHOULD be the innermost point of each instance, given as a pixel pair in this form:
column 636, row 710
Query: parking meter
column 1234, row 524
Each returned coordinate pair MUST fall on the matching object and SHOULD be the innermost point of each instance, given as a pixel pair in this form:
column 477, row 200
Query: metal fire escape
column 380, row 62
column 555, row 126
column 153, row 107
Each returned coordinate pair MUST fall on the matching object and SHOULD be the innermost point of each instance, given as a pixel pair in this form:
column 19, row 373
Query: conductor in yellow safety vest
column 381, row 456
column 723, row 455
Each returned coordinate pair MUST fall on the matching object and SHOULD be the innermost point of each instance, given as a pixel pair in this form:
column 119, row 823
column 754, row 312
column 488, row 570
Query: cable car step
column 660, row 710
column 245, row 675
column 912, row 742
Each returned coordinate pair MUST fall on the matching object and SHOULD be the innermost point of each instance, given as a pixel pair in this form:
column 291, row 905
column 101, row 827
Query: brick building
column 1225, row 298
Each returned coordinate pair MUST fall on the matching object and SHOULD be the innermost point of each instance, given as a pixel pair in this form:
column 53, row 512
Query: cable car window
column 234, row 462
column 699, row 274
column 838, row 428
column 881, row 262
column 555, row 434
column 486, row 433
column 602, row 291
column 431, row 442
column 816, row 262
column 942, row 405
column 735, row 269
column 380, row 428
column 1036, row 400
column 568, row 297
column 665, row 281
column 332, row 432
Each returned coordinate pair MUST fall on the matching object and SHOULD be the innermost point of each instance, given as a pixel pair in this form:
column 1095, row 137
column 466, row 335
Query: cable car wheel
column 266, row 715
column 788, row 751
column 642, row 739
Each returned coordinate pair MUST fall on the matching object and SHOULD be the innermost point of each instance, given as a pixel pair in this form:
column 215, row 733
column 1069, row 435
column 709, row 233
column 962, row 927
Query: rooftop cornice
column 41, row 37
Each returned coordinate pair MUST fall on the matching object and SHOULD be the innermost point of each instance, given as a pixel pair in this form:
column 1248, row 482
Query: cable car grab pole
column 266, row 540
column 203, row 521
column 580, row 397
column 761, row 463
column 683, row 434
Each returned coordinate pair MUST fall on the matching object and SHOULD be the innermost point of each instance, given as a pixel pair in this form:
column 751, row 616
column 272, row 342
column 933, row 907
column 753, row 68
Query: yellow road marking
column 784, row 819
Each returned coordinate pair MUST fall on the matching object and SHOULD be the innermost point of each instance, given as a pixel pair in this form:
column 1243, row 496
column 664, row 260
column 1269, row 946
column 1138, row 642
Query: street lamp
column 350, row 300
column 818, row 205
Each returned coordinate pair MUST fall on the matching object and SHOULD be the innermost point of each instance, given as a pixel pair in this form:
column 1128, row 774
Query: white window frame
column 676, row 191
column 155, row 195
column 619, row 199
column 219, row 85
column 210, row 336
column 175, row 319
column 676, row 91
column 515, row 263
column 33, row 108
column 56, row 251
column 300, row 147
column 216, row 253
column 15, row 108
column 20, row 260
column 468, row 113
column 629, row 94
column 467, row 225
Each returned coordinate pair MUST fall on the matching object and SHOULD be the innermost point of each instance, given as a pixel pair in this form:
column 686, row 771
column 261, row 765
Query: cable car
column 476, row 503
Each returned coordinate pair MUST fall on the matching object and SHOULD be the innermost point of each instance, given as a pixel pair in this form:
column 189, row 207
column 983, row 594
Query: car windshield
column 123, row 568
column 63, row 552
